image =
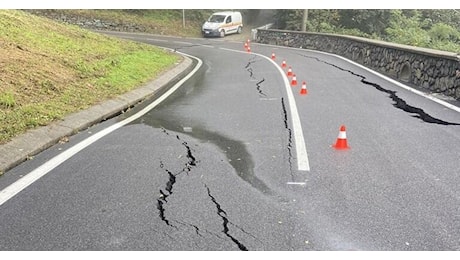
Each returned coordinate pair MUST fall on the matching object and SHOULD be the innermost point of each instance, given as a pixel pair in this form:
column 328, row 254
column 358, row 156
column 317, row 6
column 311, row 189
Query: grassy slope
column 48, row 70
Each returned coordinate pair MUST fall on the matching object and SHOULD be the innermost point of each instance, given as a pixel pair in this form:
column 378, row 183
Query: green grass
column 49, row 70
column 7, row 100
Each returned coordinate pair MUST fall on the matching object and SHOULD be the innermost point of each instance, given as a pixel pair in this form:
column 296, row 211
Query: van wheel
column 222, row 33
column 240, row 29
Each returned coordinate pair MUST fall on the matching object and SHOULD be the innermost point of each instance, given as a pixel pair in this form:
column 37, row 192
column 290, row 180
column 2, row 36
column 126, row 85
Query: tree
column 449, row 17
column 371, row 22
column 425, row 28
column 406, row 30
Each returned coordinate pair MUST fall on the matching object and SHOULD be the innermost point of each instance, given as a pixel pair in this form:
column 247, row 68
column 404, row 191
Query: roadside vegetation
column 49, row 70
column 429, row 28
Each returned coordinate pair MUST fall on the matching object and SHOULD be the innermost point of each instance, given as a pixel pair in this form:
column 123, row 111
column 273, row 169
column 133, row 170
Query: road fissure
column 251, row 75
column 289, row 130
column 225, row 220
column 172, row 179
column 398, row 102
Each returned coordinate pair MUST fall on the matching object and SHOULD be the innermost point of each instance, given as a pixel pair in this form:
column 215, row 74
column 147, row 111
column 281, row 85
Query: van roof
column 225, row 13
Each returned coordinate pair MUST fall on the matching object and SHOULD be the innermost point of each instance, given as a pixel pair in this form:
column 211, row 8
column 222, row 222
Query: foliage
column 443, row 32
column 406, row 30
column 370, row 22
column 437, row 29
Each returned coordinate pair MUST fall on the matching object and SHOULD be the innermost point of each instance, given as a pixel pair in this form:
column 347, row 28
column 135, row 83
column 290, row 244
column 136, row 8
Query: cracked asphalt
column 212, row 167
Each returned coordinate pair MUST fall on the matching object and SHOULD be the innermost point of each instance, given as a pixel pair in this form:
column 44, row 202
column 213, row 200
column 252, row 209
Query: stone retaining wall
column 430, row 70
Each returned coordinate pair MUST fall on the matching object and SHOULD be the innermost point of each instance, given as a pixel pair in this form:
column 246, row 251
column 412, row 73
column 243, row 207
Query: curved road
column 237, row 159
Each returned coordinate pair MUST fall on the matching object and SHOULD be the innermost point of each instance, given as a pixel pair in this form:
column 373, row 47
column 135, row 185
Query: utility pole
column 304, row 20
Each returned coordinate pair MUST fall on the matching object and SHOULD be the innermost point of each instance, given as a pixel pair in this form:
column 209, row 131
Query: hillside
column 161, row 22
column 48, row 70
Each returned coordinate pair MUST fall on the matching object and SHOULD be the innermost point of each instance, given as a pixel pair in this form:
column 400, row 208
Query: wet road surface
column 214, row 166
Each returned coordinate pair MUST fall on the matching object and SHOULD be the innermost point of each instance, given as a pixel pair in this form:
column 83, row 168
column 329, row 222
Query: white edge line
column 42, row 170
column 399, row 84
column 301, row 149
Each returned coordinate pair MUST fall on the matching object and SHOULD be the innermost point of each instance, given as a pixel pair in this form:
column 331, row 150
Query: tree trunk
column 304, row 20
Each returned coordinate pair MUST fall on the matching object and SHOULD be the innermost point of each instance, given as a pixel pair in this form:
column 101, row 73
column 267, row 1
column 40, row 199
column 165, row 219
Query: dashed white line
column 296, row 183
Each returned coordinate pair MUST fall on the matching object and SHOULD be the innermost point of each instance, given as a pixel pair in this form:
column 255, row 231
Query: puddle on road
column 235, row 151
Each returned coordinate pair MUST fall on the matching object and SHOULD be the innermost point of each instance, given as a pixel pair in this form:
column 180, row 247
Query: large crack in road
column 163, row 198
column 168, row 190
column 398, row 102
column 289, row 130
column 234, row 151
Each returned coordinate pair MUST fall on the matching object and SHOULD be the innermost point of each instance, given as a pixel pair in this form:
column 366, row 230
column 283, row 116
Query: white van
column 223, row 23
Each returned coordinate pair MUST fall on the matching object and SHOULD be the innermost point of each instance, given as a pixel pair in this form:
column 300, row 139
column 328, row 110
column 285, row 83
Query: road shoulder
column 34, row 141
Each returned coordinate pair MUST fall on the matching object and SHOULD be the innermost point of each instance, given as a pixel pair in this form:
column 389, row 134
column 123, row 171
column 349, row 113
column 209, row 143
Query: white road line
column 301, row 149
column 296, row 183
column 39, row 172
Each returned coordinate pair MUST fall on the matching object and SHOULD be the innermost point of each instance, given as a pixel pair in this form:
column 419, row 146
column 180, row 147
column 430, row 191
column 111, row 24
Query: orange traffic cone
column 246, row 45
column 273, row 56
column 294, row 80
column 341, row 142
column 249, row 49
column 303, row 90
column 283, row 65
column 289, row 73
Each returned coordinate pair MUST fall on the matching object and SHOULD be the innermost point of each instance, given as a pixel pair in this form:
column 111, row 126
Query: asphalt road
column 219, row 164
